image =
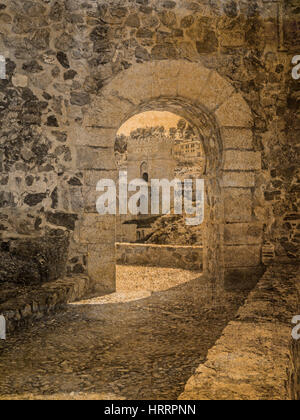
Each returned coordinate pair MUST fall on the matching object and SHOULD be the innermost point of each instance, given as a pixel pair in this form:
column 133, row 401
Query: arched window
column 144, row 169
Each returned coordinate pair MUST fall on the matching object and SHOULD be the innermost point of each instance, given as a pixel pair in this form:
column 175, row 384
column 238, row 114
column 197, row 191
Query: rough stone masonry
column 61, row 56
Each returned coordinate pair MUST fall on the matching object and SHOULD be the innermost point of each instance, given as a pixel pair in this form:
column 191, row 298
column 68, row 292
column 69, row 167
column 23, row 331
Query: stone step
column 22, row 310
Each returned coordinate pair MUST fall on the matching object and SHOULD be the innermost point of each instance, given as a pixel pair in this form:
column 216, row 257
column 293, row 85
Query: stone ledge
column 256, row 358
column 22, row 310
column 173, row 256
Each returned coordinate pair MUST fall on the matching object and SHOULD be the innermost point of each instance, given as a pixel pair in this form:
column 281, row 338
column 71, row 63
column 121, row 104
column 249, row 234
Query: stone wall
column 187, row 257
column 23, row 306
column 77, row 70
column 31, row 260
column 256, row 357
column 126, row 232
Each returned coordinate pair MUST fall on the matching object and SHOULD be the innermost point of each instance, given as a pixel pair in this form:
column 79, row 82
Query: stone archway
column 201, row 95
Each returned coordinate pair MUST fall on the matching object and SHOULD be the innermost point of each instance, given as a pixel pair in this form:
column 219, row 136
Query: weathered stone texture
column 173, row 256
column 63, row 57
column 30, row 303
column 34, row 260
column 249, row 361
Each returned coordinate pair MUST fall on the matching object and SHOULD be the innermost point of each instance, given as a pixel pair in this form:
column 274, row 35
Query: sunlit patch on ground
column 118, row 297
column 135, row 283
column 154, row 279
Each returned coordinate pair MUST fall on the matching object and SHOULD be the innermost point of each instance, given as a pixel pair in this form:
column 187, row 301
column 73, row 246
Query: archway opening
column 224, row 119
column 160, row 147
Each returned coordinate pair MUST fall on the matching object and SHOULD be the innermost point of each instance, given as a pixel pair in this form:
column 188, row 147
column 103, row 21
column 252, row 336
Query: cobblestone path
column 143, row 342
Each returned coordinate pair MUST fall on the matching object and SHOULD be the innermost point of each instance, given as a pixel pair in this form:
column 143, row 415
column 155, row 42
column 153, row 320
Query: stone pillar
column 242, row 232
column 241, row 163
column 97, row 232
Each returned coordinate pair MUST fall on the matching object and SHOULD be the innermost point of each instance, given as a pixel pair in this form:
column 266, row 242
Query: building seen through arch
column 171, row 149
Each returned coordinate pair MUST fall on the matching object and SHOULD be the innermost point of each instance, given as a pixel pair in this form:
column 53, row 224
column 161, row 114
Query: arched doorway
column 162, row 148
column 212, row 105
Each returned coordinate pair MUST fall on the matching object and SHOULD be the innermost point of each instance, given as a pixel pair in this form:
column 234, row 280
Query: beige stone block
column 216, row 91
column 95, row 158
column 109, row 111
column 243, row 233
column 97, row 229
column 20, row 80
column 263, row 213
column 134, row 90
column 77, row 248
column 235, row 113
column 145, row 81
column 102, row 267
column 90, row 196
column 92, row 177
column 242, row 161
column 164, row 87
column 167, row 68
column 238, row 205
column 76, row 199
column 134, row 84
column 238, row 179
column 237, row 138
column 106, row 253
column 93, row 135
column 192, row 80
column 242, row 256
column 165, row 78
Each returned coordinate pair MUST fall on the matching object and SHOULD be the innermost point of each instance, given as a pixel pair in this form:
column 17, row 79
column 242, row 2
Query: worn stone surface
column 256, row 358
column 87, row 349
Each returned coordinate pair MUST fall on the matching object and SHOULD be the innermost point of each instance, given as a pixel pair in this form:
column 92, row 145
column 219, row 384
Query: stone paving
column 143, row 342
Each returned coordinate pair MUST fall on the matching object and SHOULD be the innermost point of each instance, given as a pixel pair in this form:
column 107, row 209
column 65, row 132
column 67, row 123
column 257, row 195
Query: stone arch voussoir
column 198, row 88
